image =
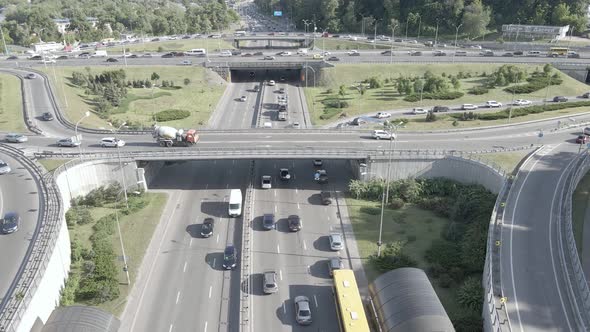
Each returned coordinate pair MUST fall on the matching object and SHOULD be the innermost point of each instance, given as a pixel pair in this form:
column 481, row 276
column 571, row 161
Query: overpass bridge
column 272, row 42
column 306, row 71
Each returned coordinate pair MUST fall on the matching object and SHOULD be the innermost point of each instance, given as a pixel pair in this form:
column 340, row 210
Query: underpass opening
column 257, row 75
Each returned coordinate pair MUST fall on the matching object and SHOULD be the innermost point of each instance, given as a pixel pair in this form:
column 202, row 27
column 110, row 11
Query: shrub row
column 521, row 111
column 335, row 103
column 329, row 113
column 170, row 115
column 98, row 197
column 534, row 83
column 443, row 95
column 478, row 90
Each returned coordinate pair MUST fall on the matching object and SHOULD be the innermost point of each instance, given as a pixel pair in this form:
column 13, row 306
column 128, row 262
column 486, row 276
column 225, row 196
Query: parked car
column 15, row 138
column 419, row 110
column 47, row 116
column 229, row 257
column 68, row 142
column 381, row 115
column 112, row 142
column 334, row 263
column 521, row 102
column 382, row 134
column 4, row 167
column 269, row 282
column 582, row 139
column 284, row 174
column 294, row 222
column 207, row 227
column 440, row 109
column 302, row 310
column 326, row 197
column 493, row 103
column 336, row 242
column 10, row 223
column 266, row 182
column 467, row 107
column 559, row 99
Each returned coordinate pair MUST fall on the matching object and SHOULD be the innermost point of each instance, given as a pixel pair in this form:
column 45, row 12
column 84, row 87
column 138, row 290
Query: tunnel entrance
column 257, row 75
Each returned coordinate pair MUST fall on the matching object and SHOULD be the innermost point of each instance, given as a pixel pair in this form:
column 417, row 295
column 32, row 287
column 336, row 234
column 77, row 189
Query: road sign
column 278, row 13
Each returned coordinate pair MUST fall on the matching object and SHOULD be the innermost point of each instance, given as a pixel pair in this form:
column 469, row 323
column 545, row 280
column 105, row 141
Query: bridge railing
column 246, row 268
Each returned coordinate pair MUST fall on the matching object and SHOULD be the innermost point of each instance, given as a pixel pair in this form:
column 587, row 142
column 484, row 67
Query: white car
column 111, row 142
column 351, row 52
column 493, row 103
column 521, row 102
column 336, row 243
column 46, row 61
column 225, row 54
column 266, row 182
column 4, row 168
column 381, row 115
column 419, row 110
column 271, row 83
column 285, row 54
column 468, row 107
column 382, row 134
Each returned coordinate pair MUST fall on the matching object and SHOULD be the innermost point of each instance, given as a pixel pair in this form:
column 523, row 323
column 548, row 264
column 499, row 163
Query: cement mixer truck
column 168, row 136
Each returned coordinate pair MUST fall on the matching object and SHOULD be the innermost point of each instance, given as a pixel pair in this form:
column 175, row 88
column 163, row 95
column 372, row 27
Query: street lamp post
column 456, row 35
column 419, row 26
column 436, row 34
column 116, row 131
column 125, row 267
column 407, row 19
column 392, row 39
column 87, row 114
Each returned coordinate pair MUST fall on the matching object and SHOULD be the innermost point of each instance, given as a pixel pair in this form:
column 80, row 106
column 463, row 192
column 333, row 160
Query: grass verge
column 51, row 164
column 420, row 228
column 341, row 44
column 505, row 160
column 174, row 45
column 388, row 98
column 580, row 205
column 199, row 97
column 11, row 104
column 136, row 229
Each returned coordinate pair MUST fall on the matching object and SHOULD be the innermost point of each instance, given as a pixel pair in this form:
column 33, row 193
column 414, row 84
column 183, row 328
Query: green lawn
column 580, row 204
column 387, row 98
column 173, row 45
column 137, row 230
column 199, row 97
column 505, row 160
column 416, row 226
column 11, row 104
column 52, row 164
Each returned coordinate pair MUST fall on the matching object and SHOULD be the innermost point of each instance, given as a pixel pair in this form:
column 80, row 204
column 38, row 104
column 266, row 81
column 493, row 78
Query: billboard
column 278, row 13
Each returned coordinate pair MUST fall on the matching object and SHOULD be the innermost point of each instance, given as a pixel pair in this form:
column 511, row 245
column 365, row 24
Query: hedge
column 446, row 95
column 478, row 90
column 535, row 83
column 169, row 115
column 522, row 111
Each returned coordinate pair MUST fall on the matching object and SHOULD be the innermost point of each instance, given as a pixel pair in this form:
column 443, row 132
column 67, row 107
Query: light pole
column 569, row 41
column 120, row 162
column 419, row 26
column 87, row 114
column 125, row 267
column 456, row 35
column 392, row 39
column 306, row 23
column 436, row 34
column 407, row 19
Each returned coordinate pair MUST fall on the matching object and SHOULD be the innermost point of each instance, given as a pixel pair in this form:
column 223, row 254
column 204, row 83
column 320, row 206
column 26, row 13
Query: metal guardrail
column 38, row 254
column 578, row 286
column 246, row 268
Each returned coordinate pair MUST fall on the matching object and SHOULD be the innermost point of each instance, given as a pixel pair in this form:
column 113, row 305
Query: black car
column 517, row 53
column 326, row 197
column 559, row 99
column 236, row 52
column 168, row 55
column 256, row 88
column 207, row 228
column 10, row 223
column 62, row 57
column 47, row 116
column 333, row 58
column 284, row 174
column 112, row 60
column 586, row 95
column 177, row 54
column 133, row 56
column 386, row 53
column 268, row 221
column 440, row 109
column 36, row 57
column 294, row 223
column 12, row 57
column 229, row 257
column 258, row 53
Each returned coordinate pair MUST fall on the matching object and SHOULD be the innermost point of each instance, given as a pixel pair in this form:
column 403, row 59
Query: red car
column 582, row 139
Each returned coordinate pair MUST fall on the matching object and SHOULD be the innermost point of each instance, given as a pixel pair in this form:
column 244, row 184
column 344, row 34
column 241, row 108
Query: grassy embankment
column 11, row 104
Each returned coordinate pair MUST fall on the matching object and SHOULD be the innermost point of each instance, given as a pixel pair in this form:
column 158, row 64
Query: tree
column 470, row 294
column 476, row 18
column 342, row 90
column 155, row 77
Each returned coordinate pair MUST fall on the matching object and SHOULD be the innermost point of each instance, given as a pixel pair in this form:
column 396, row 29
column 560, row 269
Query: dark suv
column 559, row 99
column 294, row 223
column 229, row 257
column 10, row 222
column 268, row 221
column 440, row 109
column 326, row 197
column 207, row 228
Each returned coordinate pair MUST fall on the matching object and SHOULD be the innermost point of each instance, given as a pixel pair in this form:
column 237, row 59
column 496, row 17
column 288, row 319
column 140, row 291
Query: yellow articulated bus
column 349, row 306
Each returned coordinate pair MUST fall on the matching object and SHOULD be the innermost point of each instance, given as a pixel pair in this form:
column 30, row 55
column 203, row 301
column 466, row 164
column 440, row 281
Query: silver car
column 68, row 142
column 336, row 242
column 4, row 167
column 16, row 138
column 269, row 282
column 302, row 310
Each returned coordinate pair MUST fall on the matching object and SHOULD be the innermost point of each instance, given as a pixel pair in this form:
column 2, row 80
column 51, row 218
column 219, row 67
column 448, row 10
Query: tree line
column 29, row 23
column 422, row 17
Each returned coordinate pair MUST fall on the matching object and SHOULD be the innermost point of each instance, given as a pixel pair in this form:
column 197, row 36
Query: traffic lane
column 19, row 193
column 241, row 114
column 219, row 118
column 296, row 97
column 539, row 296
column 270, row 105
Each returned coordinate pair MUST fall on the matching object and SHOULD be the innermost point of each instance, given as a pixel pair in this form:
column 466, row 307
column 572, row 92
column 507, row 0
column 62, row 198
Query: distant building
column 62, row 24
column 534, row 31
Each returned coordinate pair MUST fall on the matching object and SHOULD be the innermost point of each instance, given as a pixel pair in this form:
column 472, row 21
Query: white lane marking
column 304, row 245
column 276, row 209
column 298, row 207
column 171, row 326
column 275, row 193
column 213, row 262
column 207, row 186
column 205, row 327
column 316, row 301
column 210, row 289
column 284, row 309
column 217, row 241
column 281, row 275
column 184, row 268
column 177, row 297
column 190, row 243
column 329, row 218
column 296, row 190
column 278, row 249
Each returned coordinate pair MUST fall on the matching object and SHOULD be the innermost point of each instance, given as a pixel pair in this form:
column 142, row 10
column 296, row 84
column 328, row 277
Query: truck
column 168, row 136
column 235, row 203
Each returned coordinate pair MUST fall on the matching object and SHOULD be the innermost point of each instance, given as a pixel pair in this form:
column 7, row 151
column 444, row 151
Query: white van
column 225, row 53
column 235, row 203
column 534, row 53
column 196, row 52
column 100, row 54
column 302, row 51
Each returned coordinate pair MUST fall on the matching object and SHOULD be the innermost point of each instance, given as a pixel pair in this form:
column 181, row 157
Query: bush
column 470, row 295
column 444, row 253
column 329, row 113
column 393, row 257
column 98, row 197
column 445, row 280
column 370, row 210
column 187, row 81
column 170, row 115
column 76, row 250
column 335, row 103
column 78, row 215
column 478, row 90
column 68, row 292
column 466, row 321
column 444, row 95
column 396, row 203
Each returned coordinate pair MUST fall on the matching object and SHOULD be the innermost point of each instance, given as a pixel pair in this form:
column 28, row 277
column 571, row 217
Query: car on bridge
column 112, row 60
column 4, row 167
column 284, row 53
column 334, row 263
column 12, row 57
column 271, row 83
column 437, row 109
column 415, row 53
column 266, row 182
column 229, row 257
column 243, row 98
column 333, row 58
column 295, row 223
column 353, row 53
column 467, row 107
column 284, row 174
column 268, row 221
column 269, row 282
column 112, row 142
column 16, row 138
column 68, row 142
column 207, row 227
column 508, row 54
column 522, row 102
column 10, row 223
column 30, row 76
column 336, row 243
column 439, row 53
column 419, row 110
column 381, row 115
column 388, row 52
column 302, row 310
column 168, row 55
